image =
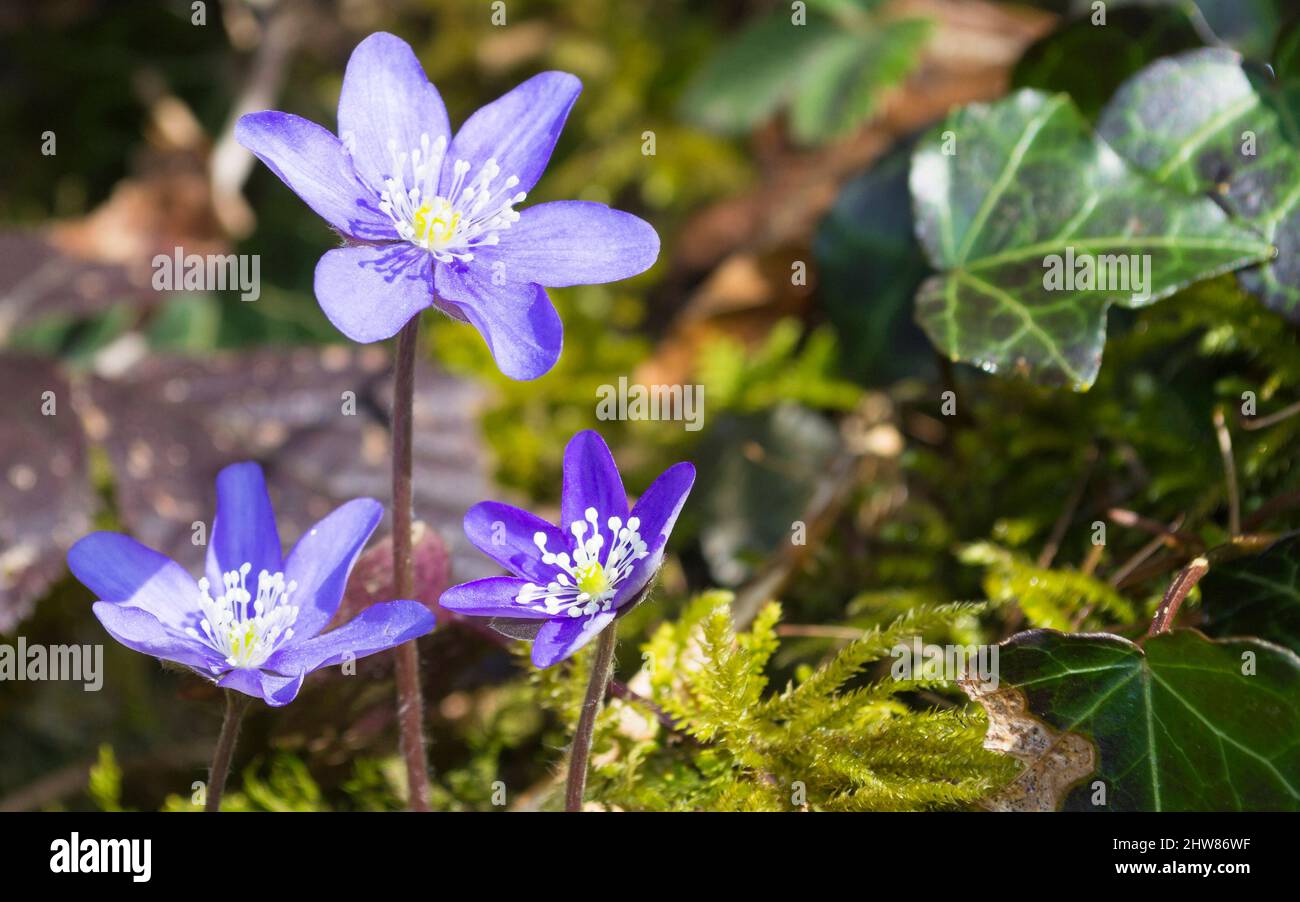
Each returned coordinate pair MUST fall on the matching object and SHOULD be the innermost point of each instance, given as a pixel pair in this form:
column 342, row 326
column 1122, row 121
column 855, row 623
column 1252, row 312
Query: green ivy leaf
column 1256, row 596
column 1201, row 122
column 1176, row 722
column 1024, row 180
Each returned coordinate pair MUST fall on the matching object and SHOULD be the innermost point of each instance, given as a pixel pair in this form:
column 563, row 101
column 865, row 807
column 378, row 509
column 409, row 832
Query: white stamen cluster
column 451, row 226
column 584, row 584
column 245, row 630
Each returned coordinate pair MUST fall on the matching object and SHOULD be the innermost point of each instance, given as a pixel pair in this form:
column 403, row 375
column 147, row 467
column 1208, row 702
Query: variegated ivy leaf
column 1038, row 227
column 1174, row 722
column 1201, row 122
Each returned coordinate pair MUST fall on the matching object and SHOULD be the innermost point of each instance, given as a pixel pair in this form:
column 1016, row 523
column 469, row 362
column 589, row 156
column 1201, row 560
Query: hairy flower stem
column 601, row 670
column 410, row 704
column 236, row 705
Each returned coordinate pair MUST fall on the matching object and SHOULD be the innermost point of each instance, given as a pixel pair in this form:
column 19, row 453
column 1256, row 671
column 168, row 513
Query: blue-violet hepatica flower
column 430, row 219
column 572, row 581
column 253, row 622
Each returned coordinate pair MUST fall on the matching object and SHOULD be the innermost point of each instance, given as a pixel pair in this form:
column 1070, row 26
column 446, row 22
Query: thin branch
column 1237, row 547
column 1048, row 554
column 1089, row 565
column 1270, row 509
column 1188, row 577
column 1229, row 471
column 1272, row 419
column 1172, row 537
column 231, row 164
column 817, row 631
column 1129, row 567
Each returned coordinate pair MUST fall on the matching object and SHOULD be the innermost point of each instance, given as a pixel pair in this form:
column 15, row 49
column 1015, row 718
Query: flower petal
column 386, row 98
column 312, row 162
column 572, row 242
column 370, row 293
column 119, row 569
column 558, row 639
column 505, row 534
column 141, row 631
column 657, row 509
column 378, row 627
column 518, row 129
column 591, row 479
column 517, row 320
column 660, row 504
column 272, row 688
column 323, row 558
column 243, row 530
column 491, row 597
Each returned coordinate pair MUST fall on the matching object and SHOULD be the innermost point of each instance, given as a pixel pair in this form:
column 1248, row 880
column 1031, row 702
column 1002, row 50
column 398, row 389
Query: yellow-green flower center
column 435, row 223
column 451, row 212
column 243, row 628
column 587, row 582
column 591, row 579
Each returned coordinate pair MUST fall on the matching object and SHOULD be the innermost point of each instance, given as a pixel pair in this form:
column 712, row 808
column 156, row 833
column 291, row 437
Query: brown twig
column 230, row 164
column 1188, row 577
column 1048, row 554
column 1270, row 509
column 1229, row 472
column 1240, row 546
column 1173, row 537
column 1272, row 419
column 817, row 631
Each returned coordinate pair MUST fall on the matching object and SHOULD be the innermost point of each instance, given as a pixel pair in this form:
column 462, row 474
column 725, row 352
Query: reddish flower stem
column 236, row 705
column 601, row 670
column 410, row 703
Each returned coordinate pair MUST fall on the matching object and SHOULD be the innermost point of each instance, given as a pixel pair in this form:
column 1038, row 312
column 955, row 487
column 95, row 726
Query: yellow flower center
column 591, row 579
column 435, row 223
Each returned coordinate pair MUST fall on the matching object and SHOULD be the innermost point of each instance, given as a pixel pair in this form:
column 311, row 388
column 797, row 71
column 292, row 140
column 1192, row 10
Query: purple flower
column 573, row 580
column 431, row 220
column 254, row 622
